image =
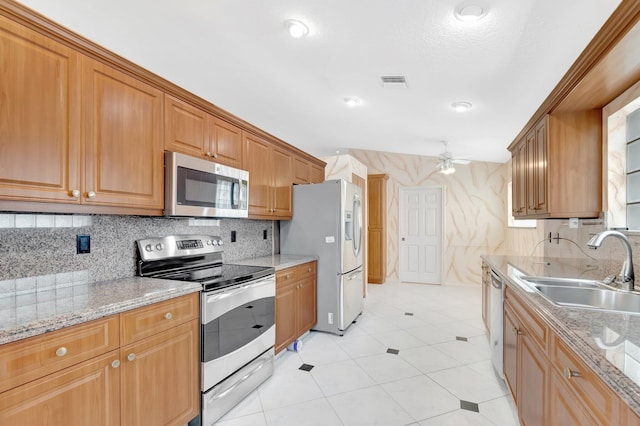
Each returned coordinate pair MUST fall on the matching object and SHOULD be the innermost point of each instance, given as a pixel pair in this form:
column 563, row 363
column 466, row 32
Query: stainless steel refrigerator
column 327, row 223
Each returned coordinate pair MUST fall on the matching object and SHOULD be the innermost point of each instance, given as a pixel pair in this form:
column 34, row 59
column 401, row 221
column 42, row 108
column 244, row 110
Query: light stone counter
column 26, row 314
column 278, row 261
column 608, row 342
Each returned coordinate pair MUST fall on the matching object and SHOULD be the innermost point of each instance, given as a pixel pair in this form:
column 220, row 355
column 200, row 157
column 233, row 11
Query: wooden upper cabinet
column 556, row 167
column 301, row 171
column 192, row 131
column 39, row 118
column 122, row 130
column 317, row 173
column 270, row 178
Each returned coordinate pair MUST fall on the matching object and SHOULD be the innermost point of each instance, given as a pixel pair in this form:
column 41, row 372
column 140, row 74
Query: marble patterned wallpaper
column 474, row 206
column 31, row 246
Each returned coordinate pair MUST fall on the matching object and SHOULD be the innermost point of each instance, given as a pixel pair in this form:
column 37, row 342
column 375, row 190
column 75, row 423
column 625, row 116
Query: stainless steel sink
column 562, row 282
column 594, row 298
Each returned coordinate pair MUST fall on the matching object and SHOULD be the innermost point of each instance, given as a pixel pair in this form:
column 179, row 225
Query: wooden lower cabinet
column 295, row 303
column 160, row 378
column 549, row 382
column 85, row 394
column 151, row 381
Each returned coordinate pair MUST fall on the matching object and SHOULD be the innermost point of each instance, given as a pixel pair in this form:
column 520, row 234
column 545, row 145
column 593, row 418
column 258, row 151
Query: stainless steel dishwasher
column 495, row 325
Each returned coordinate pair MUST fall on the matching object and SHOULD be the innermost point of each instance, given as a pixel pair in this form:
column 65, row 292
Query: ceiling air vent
column 393, row 81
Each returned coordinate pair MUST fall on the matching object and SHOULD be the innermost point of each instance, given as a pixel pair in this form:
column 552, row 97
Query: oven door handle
column 230, row 293
column 238, row 383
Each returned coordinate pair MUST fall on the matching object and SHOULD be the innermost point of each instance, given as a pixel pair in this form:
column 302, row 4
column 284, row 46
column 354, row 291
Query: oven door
column 238, row 324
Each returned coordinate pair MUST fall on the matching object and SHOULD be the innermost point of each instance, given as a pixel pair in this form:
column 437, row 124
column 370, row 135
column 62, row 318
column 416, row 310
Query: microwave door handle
column 234, row 184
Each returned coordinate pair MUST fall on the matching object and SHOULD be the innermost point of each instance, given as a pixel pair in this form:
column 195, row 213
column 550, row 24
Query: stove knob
column 214, row 242
column 219, row 242
column 208, row 242
column 148, row 247
column 159, row 246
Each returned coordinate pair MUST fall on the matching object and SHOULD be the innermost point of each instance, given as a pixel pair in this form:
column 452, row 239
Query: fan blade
column 461, row 161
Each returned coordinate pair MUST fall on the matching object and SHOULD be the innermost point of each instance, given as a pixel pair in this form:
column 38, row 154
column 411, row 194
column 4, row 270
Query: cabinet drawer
column 29, row 359
column 152, row 319
column 602, row 403
column 536, row 328
column 306, row 269
column 287, row 276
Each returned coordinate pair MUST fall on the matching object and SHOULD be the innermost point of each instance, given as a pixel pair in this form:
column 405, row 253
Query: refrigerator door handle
column 357, row 226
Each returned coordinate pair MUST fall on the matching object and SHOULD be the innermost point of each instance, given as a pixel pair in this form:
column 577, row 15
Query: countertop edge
column 277, row 261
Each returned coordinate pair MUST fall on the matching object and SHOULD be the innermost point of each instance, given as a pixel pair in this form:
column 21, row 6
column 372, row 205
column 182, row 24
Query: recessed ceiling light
column 470, row 12
column 296, row 28
column 352, row 101
column 461, row 106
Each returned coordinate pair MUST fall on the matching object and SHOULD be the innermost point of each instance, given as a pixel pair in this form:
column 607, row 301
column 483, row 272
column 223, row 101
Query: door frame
column 443, row 193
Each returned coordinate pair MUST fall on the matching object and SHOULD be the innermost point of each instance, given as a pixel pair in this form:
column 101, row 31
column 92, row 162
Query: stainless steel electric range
column 237, row 315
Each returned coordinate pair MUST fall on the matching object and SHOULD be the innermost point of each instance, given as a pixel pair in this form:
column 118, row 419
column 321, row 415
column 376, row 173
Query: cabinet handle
column 168, row 315
column 75, row 193
column 116, row 363
column 131, row 356
column 62, row 351
column 91, row 194
column 517, row 331
column 569, row 373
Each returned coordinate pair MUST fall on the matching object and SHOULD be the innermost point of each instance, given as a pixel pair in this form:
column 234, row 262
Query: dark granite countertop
column 608, row 342
column 26, row 314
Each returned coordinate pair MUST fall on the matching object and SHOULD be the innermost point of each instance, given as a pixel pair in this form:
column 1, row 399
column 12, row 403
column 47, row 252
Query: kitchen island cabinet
column 87, row 374
column 295, row 303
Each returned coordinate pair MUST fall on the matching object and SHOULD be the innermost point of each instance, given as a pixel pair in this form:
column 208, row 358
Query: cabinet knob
column 116, row 363
column 215, row 155
column 91, row 194
column 569, row 373
column 208, row 154
column 75, row 193
column 309, row 270
column 168, row 315
column 62, row 351
column 517, row 331
column 131, row 356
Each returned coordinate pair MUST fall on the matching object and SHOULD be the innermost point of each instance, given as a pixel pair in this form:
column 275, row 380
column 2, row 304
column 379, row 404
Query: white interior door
column 420, row 225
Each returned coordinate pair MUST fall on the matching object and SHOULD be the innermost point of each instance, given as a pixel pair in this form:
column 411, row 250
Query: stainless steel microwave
column 197, row 187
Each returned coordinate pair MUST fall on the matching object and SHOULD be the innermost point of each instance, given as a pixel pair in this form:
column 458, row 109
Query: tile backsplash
column 43, row 247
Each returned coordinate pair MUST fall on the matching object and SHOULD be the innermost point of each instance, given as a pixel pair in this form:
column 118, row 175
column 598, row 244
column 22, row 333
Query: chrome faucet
column 626, row 280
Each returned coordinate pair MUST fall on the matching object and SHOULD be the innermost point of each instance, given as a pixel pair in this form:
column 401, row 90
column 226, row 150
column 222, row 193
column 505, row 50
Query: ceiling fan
column 447, row 161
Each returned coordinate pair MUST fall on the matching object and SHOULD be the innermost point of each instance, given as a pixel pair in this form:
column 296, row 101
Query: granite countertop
column 27, row 314
column 278, row 261
column 608, row 342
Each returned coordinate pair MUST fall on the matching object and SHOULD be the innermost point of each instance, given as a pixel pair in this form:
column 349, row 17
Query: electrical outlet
column 233, row 236
column 573, row 222
column 264, row 234
column 83, row 244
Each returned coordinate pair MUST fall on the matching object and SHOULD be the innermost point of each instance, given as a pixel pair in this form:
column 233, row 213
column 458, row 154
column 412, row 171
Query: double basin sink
column 580, row 293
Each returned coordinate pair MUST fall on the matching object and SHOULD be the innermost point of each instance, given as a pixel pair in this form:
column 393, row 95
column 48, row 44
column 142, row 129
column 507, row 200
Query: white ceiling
column 238, row 55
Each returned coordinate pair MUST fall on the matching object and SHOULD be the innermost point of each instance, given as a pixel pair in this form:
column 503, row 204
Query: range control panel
column 178, row 246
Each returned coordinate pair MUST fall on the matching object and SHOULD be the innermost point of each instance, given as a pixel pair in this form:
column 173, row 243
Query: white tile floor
column 354, row 381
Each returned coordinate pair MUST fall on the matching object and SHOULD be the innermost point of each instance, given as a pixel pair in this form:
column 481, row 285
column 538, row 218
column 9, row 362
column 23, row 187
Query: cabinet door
column 256, row 160
column 226, row 143
column 123, row 139
column 510, row 352
column 565, row 408
column 301, row 171
column 282, row 165
column 519, row 178
column 530, row 170
column 541, row 205
column 532, row 380
column 85, row 394
column 160, row 378
column 306, row 289
column 317, row 174
column 285, row 316
column 40, row 117
column 185, row 128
